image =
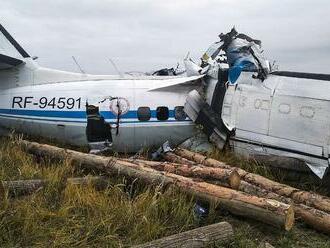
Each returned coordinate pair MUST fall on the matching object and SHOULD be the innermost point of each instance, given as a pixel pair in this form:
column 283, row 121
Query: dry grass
column 74, row 216
column 66, row 216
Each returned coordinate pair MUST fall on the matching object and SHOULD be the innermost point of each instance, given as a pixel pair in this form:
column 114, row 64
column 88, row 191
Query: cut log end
column 289, row 220
column 234, row 180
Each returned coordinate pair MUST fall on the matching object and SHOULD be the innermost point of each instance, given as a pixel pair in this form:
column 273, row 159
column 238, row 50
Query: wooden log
column 268, row 211
column 315, row 218
column 299, row 196
column 20, row 187
column 265, row 210
column 258, row 191
column 110, row 165
column 26, row 187
column 227, row 177
column 172, row 157
column 199, row 237
column 319, row 222
column 199, row 158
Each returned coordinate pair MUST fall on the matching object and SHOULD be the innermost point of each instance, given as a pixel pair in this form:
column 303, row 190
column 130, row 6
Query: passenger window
column 162, row 113
column 144, row 113
column 179, row 113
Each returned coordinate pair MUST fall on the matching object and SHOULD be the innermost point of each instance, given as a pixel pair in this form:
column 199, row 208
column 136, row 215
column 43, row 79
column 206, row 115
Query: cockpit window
column 162, row 113
column 144, row 113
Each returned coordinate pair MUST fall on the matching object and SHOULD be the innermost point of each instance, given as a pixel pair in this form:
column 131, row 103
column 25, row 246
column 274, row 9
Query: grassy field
column 74, row 216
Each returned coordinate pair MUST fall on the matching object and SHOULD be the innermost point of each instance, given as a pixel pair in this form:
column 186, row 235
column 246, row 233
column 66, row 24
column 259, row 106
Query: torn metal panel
column 319, row 169
column 202, row 113
column 198, row 143
column 269, row 115
column 193, row 105
column 278, row 156
column 213, row 51
column 192, row 69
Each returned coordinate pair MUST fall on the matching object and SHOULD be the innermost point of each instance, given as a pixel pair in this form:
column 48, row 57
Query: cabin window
column 144, row 113
column 162, row 113
column 179, row 113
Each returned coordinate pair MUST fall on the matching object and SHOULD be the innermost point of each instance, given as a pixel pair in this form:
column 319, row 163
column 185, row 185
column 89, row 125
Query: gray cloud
column 146, row 35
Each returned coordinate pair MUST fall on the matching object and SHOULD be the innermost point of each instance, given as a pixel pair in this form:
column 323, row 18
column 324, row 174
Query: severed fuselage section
column 282, row 117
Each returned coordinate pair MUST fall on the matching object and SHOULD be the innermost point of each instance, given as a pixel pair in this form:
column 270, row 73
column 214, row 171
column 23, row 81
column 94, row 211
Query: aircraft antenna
column 116, row 68
column 79, row 67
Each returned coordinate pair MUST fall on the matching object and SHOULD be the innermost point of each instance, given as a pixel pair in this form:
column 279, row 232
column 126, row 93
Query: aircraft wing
column 166, row 84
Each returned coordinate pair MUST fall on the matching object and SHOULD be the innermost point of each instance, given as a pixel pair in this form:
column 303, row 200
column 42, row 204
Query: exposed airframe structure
column 274, row 115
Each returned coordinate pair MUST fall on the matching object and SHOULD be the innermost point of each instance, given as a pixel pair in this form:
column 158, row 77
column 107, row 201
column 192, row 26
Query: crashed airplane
column 124, row 112
column 234, row 93
column 276, row 116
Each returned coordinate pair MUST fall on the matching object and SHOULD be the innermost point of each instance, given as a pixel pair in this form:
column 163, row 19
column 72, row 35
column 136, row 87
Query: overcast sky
column 142, row 35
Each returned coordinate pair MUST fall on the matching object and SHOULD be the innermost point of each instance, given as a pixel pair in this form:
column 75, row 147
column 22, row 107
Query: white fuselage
column 281, row 116
column 58, row 109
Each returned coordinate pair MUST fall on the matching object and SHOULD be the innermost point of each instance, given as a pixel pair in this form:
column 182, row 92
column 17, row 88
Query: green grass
column 75, row 216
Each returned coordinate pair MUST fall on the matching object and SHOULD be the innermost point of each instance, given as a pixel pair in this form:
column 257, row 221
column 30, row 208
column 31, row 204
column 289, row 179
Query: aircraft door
column 98, row 131
column 107, row 119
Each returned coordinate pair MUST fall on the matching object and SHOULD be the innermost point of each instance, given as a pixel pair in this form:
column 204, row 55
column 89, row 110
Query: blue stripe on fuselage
column 74, row 114
column 85, row 121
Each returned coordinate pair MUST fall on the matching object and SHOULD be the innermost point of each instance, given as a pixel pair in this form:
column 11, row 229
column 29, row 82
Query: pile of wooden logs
column 310, row 207
column 238, row 191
